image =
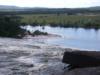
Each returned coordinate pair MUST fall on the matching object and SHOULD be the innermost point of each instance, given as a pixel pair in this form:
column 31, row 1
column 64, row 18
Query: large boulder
column 80, row 59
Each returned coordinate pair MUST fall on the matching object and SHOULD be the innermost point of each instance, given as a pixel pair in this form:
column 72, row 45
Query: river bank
column 62, row 20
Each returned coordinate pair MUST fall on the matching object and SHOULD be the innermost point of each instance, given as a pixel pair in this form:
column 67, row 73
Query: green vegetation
column 62, row 17
column 9, row 26
column 62, row 20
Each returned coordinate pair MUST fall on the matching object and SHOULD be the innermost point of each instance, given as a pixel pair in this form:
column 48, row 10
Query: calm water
column 72, row 37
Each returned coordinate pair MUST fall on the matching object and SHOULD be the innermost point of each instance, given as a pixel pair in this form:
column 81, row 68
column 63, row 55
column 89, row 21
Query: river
column 87, row 39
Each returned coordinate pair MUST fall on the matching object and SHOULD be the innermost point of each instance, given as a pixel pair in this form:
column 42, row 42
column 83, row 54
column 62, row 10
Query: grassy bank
column 62, row 20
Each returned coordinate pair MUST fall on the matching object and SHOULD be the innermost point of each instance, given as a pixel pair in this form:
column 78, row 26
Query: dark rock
column 27, row 65
column 81, row 59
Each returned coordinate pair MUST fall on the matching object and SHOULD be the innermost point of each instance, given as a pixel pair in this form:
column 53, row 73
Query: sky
column 52, row 3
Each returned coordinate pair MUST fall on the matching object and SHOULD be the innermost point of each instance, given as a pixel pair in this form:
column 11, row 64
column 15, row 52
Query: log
column 80, row 59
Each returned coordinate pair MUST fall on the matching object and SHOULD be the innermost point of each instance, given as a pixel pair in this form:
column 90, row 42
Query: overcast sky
column 52, row 3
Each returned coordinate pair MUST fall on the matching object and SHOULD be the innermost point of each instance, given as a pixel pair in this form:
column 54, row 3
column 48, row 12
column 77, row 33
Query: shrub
column 10, row 26
column 37, row 32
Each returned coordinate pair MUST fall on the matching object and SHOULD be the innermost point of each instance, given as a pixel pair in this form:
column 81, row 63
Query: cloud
column 51, row 3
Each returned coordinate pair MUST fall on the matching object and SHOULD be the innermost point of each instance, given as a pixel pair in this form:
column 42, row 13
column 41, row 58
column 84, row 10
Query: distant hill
column 17, row 10
column 11, row 8
column 94, row 8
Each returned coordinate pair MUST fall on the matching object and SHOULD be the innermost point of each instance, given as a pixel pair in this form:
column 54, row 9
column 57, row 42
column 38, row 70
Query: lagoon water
column 81, row 38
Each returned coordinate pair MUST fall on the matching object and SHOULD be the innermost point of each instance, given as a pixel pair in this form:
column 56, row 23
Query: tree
column 10, row 26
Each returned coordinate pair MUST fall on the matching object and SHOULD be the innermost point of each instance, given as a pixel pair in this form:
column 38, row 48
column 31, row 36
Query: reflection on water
column 71, row 37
